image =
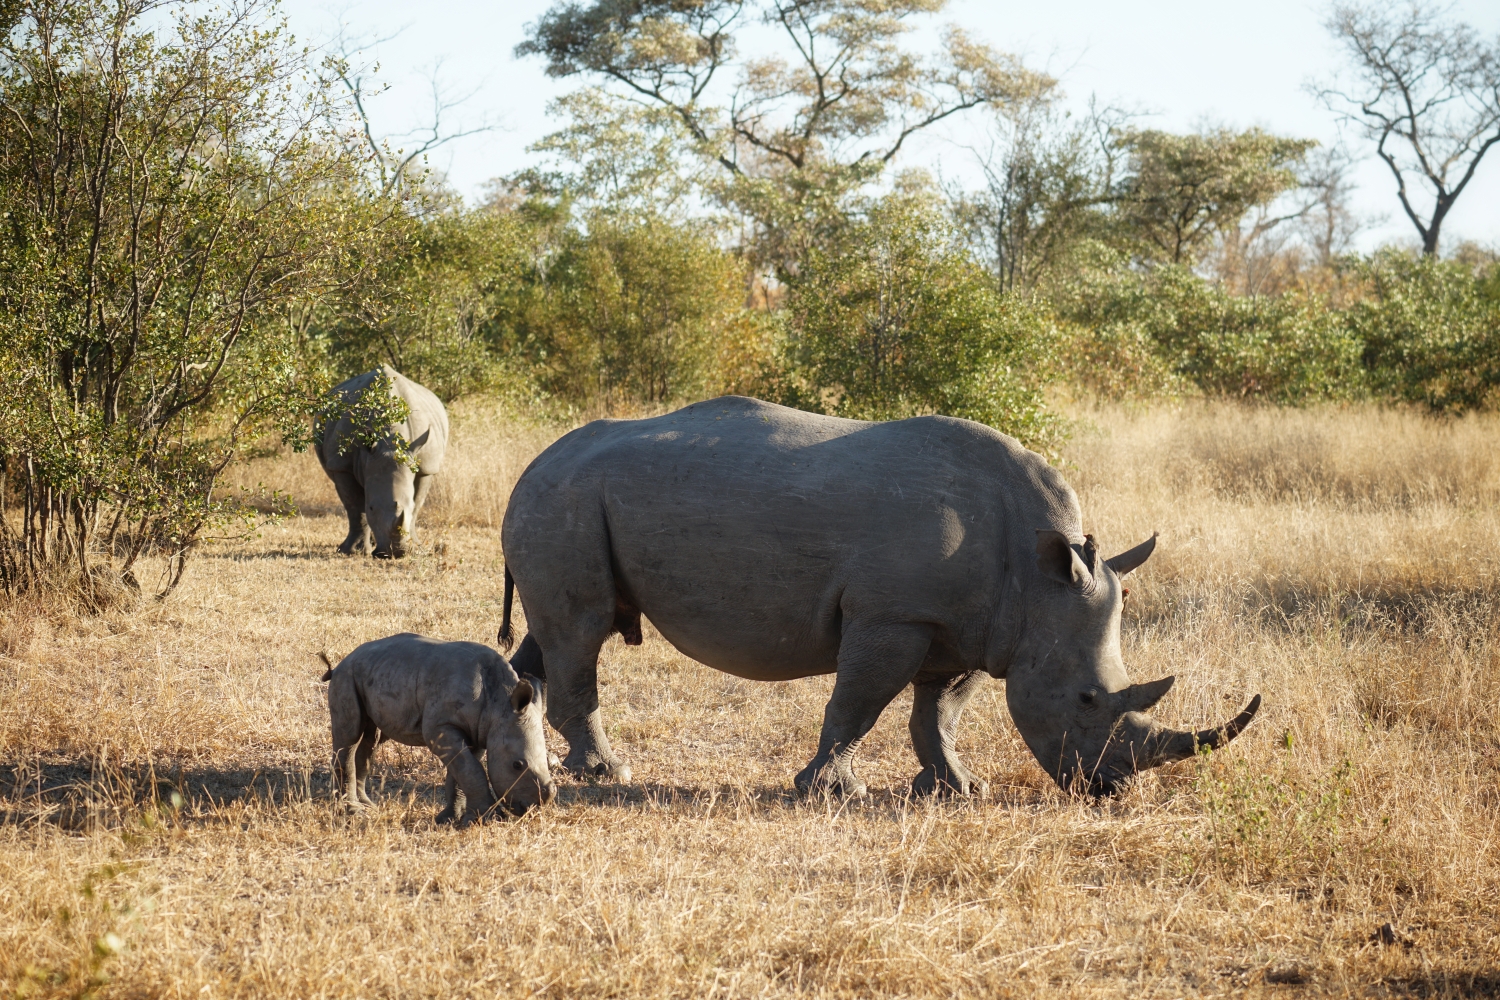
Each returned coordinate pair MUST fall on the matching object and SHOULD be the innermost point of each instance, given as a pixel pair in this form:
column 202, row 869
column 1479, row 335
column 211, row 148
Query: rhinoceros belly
column 750, row 583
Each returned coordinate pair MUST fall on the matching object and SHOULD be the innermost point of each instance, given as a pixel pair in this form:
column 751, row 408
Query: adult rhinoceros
column 381, row 490
column 773, row 544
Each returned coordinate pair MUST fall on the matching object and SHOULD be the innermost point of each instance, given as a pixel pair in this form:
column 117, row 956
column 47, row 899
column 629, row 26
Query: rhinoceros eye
column 519, row 765
column 1087, row 697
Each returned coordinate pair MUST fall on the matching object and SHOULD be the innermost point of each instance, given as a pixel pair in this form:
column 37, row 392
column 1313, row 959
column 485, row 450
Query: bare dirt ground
column 166, row 830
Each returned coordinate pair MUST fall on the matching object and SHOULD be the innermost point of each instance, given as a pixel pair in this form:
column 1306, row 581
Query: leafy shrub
column 167, row 206
column 897, row 320
column 1430, row 329
column 436, row 298
column 1284, row 349
column 631, row 310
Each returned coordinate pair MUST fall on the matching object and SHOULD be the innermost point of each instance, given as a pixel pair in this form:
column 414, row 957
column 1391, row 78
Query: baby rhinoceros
column 458, row 699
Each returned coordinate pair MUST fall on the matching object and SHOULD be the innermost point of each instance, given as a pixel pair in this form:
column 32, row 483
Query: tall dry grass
column 167, row 829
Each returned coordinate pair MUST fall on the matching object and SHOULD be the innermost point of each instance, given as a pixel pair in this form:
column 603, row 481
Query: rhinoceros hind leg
column 362, row 755
column 352, row 496
column 874, row 665
column 936, row 705
column 572, row 699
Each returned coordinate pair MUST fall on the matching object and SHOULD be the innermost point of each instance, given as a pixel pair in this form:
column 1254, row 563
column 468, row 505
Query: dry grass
column 167, row 830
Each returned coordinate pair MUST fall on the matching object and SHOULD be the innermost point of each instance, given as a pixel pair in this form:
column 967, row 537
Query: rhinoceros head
column 516, row 752
column 390, row 495
column 1068, row 693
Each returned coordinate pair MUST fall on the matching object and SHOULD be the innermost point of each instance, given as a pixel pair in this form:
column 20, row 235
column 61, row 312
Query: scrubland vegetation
column 202, row 234
column 166, row 775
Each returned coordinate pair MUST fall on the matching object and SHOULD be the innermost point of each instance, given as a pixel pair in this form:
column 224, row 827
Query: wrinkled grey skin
column 382, row 495
column 458, row 699
column 772, row 544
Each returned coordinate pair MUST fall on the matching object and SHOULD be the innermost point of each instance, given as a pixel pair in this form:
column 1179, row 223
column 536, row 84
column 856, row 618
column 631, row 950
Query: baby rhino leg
column 453, row 802
column 465, row 773
column 351, row 731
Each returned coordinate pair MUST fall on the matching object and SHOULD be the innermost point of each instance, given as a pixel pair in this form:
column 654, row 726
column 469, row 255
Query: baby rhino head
column 517, row 752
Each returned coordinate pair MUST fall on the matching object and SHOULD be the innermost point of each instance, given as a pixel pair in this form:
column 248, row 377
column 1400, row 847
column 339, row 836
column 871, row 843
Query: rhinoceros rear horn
column 1182, row 745
column 1140, row 697
column 1132, row 558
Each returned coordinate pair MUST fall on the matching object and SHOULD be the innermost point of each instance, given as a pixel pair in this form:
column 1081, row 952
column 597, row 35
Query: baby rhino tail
column 327, row 674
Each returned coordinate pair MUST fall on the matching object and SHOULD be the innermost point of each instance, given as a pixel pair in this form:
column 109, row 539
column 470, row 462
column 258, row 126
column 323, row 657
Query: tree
column 796, row 133
column 1293, row 241
column 1048, row 185
column 171, row 200
column 897, row 320
column 1427, row 92
column 403, row 167
column 615, row 157
column 630, row 311
column 1181, row 192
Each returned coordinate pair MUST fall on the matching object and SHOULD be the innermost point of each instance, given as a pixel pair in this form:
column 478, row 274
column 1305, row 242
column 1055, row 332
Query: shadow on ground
column 83, row 795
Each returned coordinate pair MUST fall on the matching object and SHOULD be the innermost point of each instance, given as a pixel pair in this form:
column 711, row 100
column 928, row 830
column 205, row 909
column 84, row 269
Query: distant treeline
column 202, row 234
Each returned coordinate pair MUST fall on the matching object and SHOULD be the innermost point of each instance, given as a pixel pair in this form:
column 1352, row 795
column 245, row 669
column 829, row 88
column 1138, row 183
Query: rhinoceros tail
column 327, row 674
column 507, row 636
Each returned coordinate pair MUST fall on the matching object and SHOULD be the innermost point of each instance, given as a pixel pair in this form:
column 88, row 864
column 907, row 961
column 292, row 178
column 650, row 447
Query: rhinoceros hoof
column 592, row 766
column 445, row 817
column 812, row 781
column 954, row 781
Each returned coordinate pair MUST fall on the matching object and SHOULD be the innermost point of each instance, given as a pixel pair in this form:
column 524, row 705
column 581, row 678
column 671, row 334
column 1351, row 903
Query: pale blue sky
column 1184, row 62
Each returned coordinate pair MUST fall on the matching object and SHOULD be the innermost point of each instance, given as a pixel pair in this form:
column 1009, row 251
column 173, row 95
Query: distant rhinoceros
column 382, row 493
column 772, row 544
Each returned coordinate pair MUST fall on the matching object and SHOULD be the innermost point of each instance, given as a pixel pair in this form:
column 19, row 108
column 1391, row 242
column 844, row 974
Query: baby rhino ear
column 522, row 696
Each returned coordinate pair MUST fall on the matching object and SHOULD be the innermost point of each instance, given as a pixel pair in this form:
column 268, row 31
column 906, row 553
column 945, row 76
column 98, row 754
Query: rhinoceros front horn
column 1179, row 745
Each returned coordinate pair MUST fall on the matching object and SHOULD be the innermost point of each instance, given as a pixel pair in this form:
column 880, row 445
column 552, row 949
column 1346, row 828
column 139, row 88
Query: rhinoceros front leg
column 936, row 705
column 874, row 665
column 352, row 496
column 419, row 497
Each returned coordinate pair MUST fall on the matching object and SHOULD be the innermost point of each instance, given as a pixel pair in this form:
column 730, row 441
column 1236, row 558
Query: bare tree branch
column 1427, row 92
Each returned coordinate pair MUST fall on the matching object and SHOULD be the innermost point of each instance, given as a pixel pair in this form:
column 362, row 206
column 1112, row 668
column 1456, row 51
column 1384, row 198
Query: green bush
column 895, row 320
column 1430, row 329
column 1285, row 349
column 436, row 297
column 631, row 311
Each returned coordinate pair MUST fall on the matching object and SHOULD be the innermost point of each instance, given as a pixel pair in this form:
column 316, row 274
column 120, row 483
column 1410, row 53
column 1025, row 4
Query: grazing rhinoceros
column 382, row 493
column 455, row 698
column 772, row 543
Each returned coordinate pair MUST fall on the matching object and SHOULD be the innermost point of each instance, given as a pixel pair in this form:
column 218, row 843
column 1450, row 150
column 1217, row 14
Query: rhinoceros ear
column 522, row 696
column 1056, row 558
column 1132, row 558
